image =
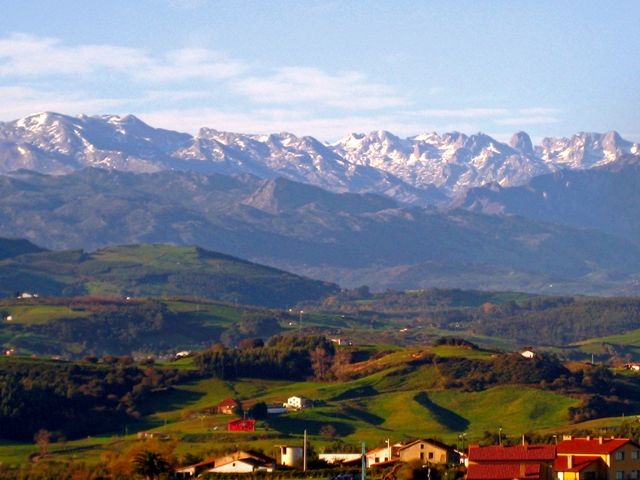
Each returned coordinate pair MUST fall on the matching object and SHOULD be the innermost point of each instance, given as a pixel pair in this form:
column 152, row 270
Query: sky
column 551, row 68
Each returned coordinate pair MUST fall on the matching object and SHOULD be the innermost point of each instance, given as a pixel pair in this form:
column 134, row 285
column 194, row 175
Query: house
column 629, row 366
column 619, row 458
column 588, row 467
column 291, row 455
column 336, row 458
column 9, row 318
column 238, row 462
column 183, row 354
column 386, row 453
column 496, row 462
column 528, row 353
column 194, row 470
column 241, row 425
column 26, row 295
column 228, row 406
column 341, row 341
column 297, row 403
column 428, row 451
column 504, row 471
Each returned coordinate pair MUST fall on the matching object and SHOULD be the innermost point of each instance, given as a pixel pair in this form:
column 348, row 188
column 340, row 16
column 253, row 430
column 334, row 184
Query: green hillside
column 156, row 270
column 401, row 400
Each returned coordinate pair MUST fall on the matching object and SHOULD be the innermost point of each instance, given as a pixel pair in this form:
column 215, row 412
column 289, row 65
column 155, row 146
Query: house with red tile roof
column 497, row 462
column 588, row 467
column 229, row 406
column 620, row 458
column 504, row 471
column 241, row 425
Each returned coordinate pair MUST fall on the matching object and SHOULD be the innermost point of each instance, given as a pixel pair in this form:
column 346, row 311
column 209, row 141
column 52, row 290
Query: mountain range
column 421, row 170
column 350, row 239
column 447, row 210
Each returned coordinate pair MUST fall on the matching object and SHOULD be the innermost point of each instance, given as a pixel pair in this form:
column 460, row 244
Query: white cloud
column 28, row 56
column 294, row 85
column 17, row 102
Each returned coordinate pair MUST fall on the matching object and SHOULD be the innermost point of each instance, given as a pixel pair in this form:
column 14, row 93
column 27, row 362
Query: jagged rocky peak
column 521, row 141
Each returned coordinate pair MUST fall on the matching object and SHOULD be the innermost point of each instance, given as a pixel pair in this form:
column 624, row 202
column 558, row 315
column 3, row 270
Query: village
column 565, row 458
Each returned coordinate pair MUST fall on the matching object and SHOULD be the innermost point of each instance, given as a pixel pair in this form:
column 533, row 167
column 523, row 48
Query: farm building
column 241, row 425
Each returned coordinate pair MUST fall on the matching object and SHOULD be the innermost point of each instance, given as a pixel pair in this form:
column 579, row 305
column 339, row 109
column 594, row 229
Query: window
column 634, row 454
column 430, row 455
column 620, row 475
column 421, row 455
column 619, row 455
column 422, row 446
column 634, row 475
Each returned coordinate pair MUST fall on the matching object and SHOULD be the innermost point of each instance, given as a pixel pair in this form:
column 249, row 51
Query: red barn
column 241, row 425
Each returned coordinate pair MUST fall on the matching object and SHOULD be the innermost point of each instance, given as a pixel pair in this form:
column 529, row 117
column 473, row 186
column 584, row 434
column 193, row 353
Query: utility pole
column 388, row 450
column 363, row 475
column 304, row 453
column 300, row 321
column 500, row 435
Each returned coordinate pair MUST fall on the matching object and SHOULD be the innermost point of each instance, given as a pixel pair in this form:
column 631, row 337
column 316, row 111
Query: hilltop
column 154, row 270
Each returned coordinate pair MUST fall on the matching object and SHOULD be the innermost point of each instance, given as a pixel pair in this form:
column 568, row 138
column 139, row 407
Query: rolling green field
column 395, row 402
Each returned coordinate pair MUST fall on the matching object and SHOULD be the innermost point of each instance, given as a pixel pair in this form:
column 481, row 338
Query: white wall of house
column 237, row 466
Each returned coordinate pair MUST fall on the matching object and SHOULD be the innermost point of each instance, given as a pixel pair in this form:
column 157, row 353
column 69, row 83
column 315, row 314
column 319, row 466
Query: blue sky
column 328, row 68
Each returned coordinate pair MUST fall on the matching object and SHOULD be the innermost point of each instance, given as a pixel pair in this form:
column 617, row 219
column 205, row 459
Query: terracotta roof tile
column 577, row 463
column 516, row 453
column 591, row 446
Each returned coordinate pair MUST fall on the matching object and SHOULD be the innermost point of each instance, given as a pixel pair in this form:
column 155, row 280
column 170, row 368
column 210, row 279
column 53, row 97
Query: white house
column 528, row 354
column 242, row 462
column 291, row 456
column 27, row 295
column 339, row 457
column 241, row 465
column 297, row 403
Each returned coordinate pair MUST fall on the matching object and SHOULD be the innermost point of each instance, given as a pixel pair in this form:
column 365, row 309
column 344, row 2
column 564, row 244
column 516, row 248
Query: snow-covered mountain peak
column 407, row 169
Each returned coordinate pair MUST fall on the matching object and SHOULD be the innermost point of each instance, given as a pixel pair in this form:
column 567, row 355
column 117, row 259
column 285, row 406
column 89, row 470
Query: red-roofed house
column 530, row 462
column 228, row 406
column 240, row 425
column 504, row 471
column 588, row 467
column 620, row 456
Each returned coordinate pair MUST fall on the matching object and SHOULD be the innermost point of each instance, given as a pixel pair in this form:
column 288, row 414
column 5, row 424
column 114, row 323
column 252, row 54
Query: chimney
column 569, row 462
column 567, row 437
column 588, row 437
column 600, row 440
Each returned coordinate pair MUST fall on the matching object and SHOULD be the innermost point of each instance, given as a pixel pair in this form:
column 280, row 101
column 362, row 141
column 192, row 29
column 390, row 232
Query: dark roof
column 577, row 463
column 592, row 446
column 498, row 453
column 504, row 471
column 430, row 441
column 228, row 402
